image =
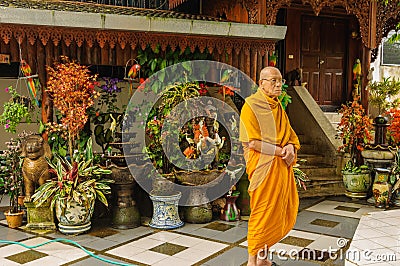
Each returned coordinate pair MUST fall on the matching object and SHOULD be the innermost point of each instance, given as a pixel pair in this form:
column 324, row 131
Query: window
column 390, row 51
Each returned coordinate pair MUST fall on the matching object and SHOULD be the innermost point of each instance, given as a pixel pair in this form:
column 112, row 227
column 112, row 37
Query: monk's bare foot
column 252, row 261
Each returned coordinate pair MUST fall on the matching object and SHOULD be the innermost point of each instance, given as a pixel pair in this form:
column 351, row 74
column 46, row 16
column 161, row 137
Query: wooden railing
column 151, row 4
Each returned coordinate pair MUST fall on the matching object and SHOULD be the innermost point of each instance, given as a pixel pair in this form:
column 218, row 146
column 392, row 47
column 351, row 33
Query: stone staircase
column 324, row 177
column 333, row 117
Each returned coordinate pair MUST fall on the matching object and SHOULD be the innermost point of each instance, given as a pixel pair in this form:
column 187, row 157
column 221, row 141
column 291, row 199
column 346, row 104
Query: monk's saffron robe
column 273, row 192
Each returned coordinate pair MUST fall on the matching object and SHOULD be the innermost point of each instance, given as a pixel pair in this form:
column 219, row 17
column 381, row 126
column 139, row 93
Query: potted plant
column 11, row 179
column 15, row 110
column 354, row 129
column 383, row 95
column 74, row 190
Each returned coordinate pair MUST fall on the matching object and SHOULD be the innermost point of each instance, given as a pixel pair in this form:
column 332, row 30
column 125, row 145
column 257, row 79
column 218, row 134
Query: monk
column 270, row 150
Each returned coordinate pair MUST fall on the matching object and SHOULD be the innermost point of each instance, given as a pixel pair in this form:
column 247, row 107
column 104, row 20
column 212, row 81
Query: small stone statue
column 35, row 168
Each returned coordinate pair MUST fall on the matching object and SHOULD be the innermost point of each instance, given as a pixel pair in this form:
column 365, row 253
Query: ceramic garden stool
column 381, row 189
column 165, row 211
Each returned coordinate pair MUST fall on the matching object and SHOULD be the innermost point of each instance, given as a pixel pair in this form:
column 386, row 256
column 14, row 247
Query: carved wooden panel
column 32, row 36
column 6, row 34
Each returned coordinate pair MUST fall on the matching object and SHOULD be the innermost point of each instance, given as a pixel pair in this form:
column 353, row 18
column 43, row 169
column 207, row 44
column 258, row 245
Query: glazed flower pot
column 357, row 184
column 74, row 218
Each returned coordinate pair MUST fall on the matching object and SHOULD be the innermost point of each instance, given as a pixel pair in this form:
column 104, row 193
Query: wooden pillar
column 104, row 55
column 47, row 104
column 14, row 49
column 365, row 66
column 253, row 64
column 73, row 50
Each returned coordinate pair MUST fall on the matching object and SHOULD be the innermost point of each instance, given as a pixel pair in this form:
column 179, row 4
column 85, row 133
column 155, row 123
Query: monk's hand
column 289, row 154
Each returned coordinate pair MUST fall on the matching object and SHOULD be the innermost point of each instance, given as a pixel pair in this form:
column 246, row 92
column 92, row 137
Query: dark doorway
column 323, row 58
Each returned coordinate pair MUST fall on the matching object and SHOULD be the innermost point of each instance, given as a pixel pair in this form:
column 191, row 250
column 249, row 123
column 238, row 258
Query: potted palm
column 11, row 179
column 74, row 189
column 354, row 129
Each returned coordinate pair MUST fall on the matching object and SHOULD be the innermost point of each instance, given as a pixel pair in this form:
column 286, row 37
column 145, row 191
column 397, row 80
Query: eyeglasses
column 274, row 81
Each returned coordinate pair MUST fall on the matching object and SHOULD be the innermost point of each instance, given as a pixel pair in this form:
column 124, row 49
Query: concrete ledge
column 139, row 23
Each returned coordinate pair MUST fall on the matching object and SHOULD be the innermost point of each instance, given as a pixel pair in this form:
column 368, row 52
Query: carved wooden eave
column 111, row 29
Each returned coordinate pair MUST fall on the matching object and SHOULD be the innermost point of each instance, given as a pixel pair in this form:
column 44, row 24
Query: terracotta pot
column 14, row 220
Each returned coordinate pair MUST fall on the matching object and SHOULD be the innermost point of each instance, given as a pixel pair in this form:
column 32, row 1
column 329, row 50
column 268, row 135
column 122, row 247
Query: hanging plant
column 15, row 110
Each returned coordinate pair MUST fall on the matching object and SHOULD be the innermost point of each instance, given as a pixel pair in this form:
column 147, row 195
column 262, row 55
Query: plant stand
column 197, row 212
column 40, row 218
column 125, row 214
column 165, row 211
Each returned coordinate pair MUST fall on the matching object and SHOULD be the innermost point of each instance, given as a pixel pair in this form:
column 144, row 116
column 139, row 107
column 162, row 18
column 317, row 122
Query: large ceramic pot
column 357, row 184
column 74, row 218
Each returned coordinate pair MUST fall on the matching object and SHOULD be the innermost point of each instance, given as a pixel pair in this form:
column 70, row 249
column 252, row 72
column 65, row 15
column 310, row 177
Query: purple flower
column 7, row 89
column 7, row 126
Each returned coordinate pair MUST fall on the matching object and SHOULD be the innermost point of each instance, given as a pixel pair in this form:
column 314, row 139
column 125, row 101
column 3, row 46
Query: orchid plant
column 72, row 88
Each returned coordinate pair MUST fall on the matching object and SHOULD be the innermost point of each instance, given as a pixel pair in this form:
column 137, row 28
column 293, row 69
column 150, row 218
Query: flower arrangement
column 105, row 111
column 11, row 179
column 354, row 128
column 394, row 128
column 15, row 110
column 72, row 88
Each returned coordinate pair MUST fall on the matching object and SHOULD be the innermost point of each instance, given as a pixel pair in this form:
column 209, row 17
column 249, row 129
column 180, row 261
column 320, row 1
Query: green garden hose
column 68, row 241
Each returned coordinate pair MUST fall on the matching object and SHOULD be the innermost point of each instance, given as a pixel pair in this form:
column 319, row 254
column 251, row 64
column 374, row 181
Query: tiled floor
column 322, row 235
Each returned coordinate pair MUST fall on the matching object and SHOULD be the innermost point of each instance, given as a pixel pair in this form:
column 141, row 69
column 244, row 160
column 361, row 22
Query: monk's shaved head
column 268, row 71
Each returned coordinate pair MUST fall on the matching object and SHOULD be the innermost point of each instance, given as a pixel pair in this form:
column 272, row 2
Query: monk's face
column 271, row 82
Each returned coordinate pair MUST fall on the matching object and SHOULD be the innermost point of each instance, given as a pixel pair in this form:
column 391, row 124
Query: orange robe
column 273, row 193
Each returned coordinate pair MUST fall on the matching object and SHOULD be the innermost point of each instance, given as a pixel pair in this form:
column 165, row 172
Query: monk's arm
column 265, row 147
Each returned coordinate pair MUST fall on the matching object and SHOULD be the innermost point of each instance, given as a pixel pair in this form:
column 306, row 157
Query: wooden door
column 323, row 58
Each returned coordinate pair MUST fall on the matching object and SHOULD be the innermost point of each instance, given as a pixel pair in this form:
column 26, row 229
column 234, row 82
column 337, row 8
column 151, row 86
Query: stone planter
column 40, row 218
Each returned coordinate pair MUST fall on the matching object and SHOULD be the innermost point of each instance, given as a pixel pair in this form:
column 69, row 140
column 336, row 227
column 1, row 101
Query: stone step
column 310, row 158
column 307, row 148
column 333, row 117
column 322, row 188
column 319, row 171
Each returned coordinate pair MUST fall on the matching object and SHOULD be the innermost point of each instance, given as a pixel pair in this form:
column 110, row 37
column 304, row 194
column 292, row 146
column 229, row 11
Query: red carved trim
column 68, row 37
column 112, row 39
column 133, row 39
column 192, row 43
column 19, row 34
column 32, row 36
column 56, row 36
column 101, row 38
column 183, row 43
column 210, row 45
column 90, row 38
column 79, row 37
column 202, row 44
column 229, row 46
column 272, row 9
column 173, row 42
column 44, row 36
column 6, row 34
column 246, row 47
column 122, row 39
column 143, row 40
